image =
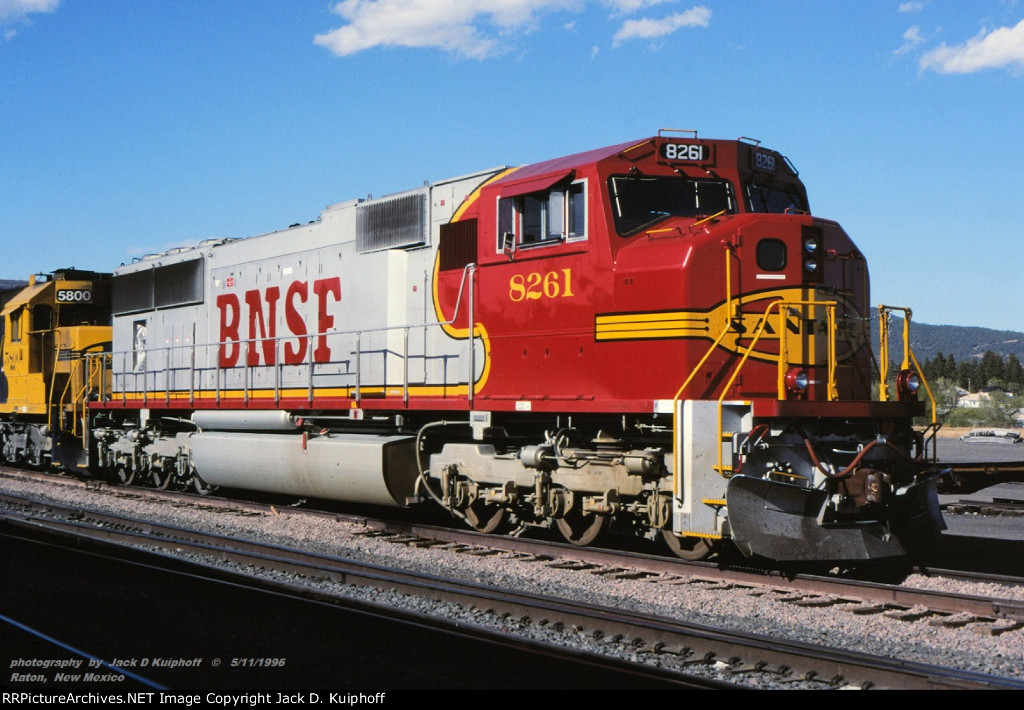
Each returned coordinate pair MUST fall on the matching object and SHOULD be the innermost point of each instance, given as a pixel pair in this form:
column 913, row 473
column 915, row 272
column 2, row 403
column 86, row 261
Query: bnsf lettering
column 324, row 288
column 262, row 311
column 256, row 323
column 293, row 355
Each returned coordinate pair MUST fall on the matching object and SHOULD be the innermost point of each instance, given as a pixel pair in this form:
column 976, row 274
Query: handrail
column 884, row 313
column 96, row 377
column 781, row 366
column 830, row 309
column 83, row 370
column 677, row 459
column 909, row 359
column 729, row 320
column 59, row 405
column 779, row 304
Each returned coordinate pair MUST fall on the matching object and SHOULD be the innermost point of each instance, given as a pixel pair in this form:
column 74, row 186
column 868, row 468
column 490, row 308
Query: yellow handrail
column 782, row 359
column 677, row 460
column 909, row 359
column 908, row 356
column 832, row 391
column 830, row 309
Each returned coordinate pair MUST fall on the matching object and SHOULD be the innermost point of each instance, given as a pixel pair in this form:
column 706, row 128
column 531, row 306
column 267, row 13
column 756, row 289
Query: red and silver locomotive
column 657, row 333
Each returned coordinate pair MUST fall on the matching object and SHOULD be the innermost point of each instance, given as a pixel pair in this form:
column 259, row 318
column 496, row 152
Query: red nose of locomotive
column 724, row 227
column 799, row 291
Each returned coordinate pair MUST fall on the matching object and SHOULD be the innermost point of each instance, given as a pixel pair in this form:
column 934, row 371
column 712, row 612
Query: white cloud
column 1003, row 47
column 647, row 28
column 911, row 6
column 628, row 7
column 912, row 38
column 452, row 25
column 14, row 12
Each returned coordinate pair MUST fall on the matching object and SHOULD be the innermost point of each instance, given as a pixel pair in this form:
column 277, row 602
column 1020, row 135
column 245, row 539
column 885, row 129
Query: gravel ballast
column 964, row 647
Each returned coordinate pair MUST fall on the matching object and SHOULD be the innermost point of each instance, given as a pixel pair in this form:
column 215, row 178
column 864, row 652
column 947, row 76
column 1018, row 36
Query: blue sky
column 129, row 126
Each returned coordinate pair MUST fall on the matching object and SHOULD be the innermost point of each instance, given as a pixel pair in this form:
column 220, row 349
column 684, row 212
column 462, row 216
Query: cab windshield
column 776, row 197
column 640, row 202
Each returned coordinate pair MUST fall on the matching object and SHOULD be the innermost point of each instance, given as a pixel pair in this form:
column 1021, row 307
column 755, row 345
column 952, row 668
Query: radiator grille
column 389, row 224
column 162, row 287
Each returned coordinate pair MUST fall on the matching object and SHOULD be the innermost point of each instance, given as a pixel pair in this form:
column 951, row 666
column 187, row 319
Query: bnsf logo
column 263, row 323
column 74, row 295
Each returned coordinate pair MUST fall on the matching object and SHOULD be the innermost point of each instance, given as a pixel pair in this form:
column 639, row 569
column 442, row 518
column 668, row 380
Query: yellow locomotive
column 46, row 329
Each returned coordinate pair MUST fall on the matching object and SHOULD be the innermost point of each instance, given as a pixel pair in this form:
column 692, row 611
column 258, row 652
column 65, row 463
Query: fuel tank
column 362, row 468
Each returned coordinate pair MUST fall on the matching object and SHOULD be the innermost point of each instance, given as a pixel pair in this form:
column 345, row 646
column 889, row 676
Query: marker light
column 811, row 238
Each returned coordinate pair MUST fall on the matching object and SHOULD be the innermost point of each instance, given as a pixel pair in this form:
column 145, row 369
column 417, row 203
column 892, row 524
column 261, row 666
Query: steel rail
column 643, row 675
column 891, row 597
column 804, row 660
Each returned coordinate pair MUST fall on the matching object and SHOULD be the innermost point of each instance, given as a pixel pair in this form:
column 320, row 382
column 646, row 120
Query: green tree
column 1000, row 410
column 967, row 375
column 991, row 368
column 1014, row 374
column 934, row 368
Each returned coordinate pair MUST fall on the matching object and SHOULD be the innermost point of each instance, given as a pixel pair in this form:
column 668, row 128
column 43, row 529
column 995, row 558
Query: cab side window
column 16, row 325
column 543, row 218
column 42, row 318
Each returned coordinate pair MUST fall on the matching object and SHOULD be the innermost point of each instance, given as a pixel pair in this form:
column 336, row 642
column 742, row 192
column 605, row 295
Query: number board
column 73, row 292
column 685, row 152
column 764, row 162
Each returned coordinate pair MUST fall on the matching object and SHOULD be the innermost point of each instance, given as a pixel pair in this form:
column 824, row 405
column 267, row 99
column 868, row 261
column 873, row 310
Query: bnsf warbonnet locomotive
column 657, row 333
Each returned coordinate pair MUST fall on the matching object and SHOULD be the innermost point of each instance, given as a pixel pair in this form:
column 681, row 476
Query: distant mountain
column 962, row 342
column 8, row 289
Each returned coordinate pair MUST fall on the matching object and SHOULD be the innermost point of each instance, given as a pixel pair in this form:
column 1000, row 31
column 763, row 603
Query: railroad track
column 273, row 635
column 986, row 614
column 671, row 643
column 1006, row 500
column 967, row 477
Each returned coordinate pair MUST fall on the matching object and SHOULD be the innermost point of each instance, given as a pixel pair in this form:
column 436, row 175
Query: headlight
column 907, row 384
column 797, row 380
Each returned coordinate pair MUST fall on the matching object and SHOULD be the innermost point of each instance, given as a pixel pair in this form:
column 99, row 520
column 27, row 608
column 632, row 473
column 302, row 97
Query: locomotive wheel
column 159, row 479
column 200, row 486
column 687, row 548
column 33, row 458
column 488, row 518
column 580, row 529
column 124, row 475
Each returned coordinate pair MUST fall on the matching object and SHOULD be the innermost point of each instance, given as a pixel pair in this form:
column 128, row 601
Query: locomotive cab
column 689, row 276
column 50, row 327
